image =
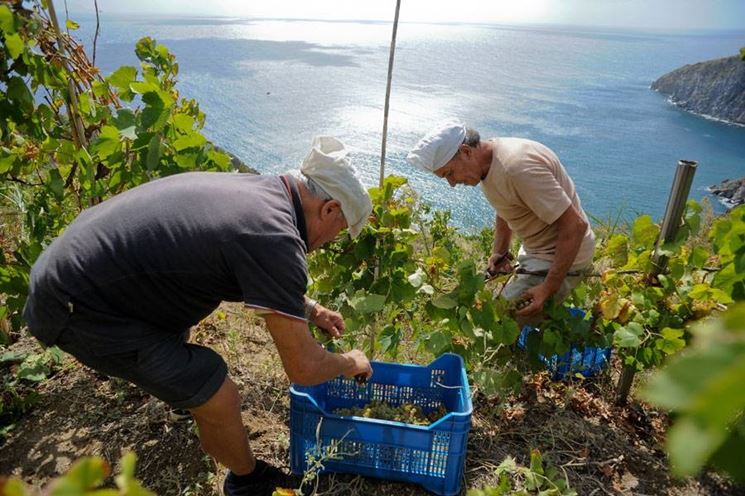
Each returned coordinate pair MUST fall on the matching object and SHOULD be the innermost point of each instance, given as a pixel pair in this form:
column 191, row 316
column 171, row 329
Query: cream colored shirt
column 530, row 189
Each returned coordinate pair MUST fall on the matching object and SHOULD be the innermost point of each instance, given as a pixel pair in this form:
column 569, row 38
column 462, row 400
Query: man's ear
column 330, row 209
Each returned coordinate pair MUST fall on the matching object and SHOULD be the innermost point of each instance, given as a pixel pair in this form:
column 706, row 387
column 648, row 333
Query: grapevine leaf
column 124, row 119
column 367, row 303
column 644, row 232
column 183, row 122
column 444, row 302
column 617, row 249
column 14, row 43
column 671, row 341
column 6, row 20
column 56, row 183
column 628, row 336
column 611, row 306
column 108, row 142
column 19, row 92
column 189, row 141
column 437, row 342
column 507, row 332
column 153, row 153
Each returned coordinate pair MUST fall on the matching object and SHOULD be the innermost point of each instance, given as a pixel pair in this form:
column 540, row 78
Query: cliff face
column 730, row 191
column 714, row 88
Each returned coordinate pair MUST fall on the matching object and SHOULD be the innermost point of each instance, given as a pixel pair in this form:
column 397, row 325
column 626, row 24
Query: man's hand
column 499, row 263
column 359, row 364
column 330, row 322
column 304, row 360
column 537, row 296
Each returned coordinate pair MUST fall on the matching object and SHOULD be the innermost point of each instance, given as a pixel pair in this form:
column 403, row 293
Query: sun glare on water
column 492, row 11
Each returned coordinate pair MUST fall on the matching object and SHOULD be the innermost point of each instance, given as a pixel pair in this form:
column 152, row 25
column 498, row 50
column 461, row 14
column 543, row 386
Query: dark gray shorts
column 182, row 374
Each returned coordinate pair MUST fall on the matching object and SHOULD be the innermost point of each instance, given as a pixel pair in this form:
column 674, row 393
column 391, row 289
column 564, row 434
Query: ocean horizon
column 267, row 86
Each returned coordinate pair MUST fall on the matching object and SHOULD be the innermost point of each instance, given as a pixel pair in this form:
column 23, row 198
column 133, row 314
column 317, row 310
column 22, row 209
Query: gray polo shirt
column 162, row 256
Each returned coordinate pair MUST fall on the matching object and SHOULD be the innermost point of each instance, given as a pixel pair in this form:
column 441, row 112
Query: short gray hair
column 312, row 186
column 472, row 139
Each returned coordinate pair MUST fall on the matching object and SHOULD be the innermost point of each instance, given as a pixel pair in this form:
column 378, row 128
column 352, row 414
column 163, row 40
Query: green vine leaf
column 192, row 140
column 444, row 301
column 628, row 336
column 367, row 303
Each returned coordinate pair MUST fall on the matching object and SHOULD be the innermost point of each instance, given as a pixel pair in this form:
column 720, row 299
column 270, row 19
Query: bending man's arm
column 304, row 360
column 502, row 239
column 571, row 228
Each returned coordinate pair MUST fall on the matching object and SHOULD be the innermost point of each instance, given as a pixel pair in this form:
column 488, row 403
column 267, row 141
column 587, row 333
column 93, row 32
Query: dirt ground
column 602, row 449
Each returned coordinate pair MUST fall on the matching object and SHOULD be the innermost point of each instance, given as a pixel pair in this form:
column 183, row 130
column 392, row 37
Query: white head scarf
column 329, row 166
column 439, row 146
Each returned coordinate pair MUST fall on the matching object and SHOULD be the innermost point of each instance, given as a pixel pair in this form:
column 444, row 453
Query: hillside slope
column 715, row 88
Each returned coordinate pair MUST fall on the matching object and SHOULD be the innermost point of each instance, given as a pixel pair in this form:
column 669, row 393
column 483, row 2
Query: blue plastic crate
column 585, row 360
column 432, row 456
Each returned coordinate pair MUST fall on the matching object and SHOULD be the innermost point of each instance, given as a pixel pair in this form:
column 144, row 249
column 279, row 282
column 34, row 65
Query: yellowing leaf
column 644, row 232
column 6, row 19
column 183, row 122
column 14, row 43
column 611, row 306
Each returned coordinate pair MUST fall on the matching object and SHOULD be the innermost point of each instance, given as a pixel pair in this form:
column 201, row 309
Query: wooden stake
column 388, row 93
column 72, row 104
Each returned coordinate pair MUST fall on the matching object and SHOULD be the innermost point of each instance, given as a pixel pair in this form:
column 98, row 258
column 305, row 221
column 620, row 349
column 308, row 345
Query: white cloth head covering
column 329, row 166
column 439, row 146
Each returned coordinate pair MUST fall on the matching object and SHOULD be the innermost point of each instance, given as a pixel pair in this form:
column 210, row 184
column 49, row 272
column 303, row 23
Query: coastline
column 669, row 99
column 730, row 192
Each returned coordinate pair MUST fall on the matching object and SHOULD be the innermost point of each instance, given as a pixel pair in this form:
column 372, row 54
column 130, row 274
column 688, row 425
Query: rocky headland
column 715, row 88
column 730, row 191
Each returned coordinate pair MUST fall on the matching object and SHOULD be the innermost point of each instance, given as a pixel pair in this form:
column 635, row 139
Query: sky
column 673, row 15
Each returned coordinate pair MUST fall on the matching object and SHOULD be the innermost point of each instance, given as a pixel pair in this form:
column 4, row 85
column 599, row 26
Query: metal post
column 670, row 225
column 674, row 211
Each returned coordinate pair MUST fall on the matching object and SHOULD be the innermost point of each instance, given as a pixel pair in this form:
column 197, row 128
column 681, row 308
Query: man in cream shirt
column 534, row 198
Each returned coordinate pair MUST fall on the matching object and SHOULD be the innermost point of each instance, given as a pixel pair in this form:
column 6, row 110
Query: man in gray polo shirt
column 120, row 288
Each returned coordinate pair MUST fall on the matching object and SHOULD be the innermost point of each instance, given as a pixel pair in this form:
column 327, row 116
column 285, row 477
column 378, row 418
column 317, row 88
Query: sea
column 268, row 86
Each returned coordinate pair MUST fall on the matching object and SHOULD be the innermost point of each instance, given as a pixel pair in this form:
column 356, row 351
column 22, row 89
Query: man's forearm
column 571, row 233
column 502, row 237
column 304, row 360
column 328, row 366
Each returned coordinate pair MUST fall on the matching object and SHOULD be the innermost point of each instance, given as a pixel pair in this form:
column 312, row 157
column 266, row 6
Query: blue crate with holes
column 585, row 360
column 432, row 456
